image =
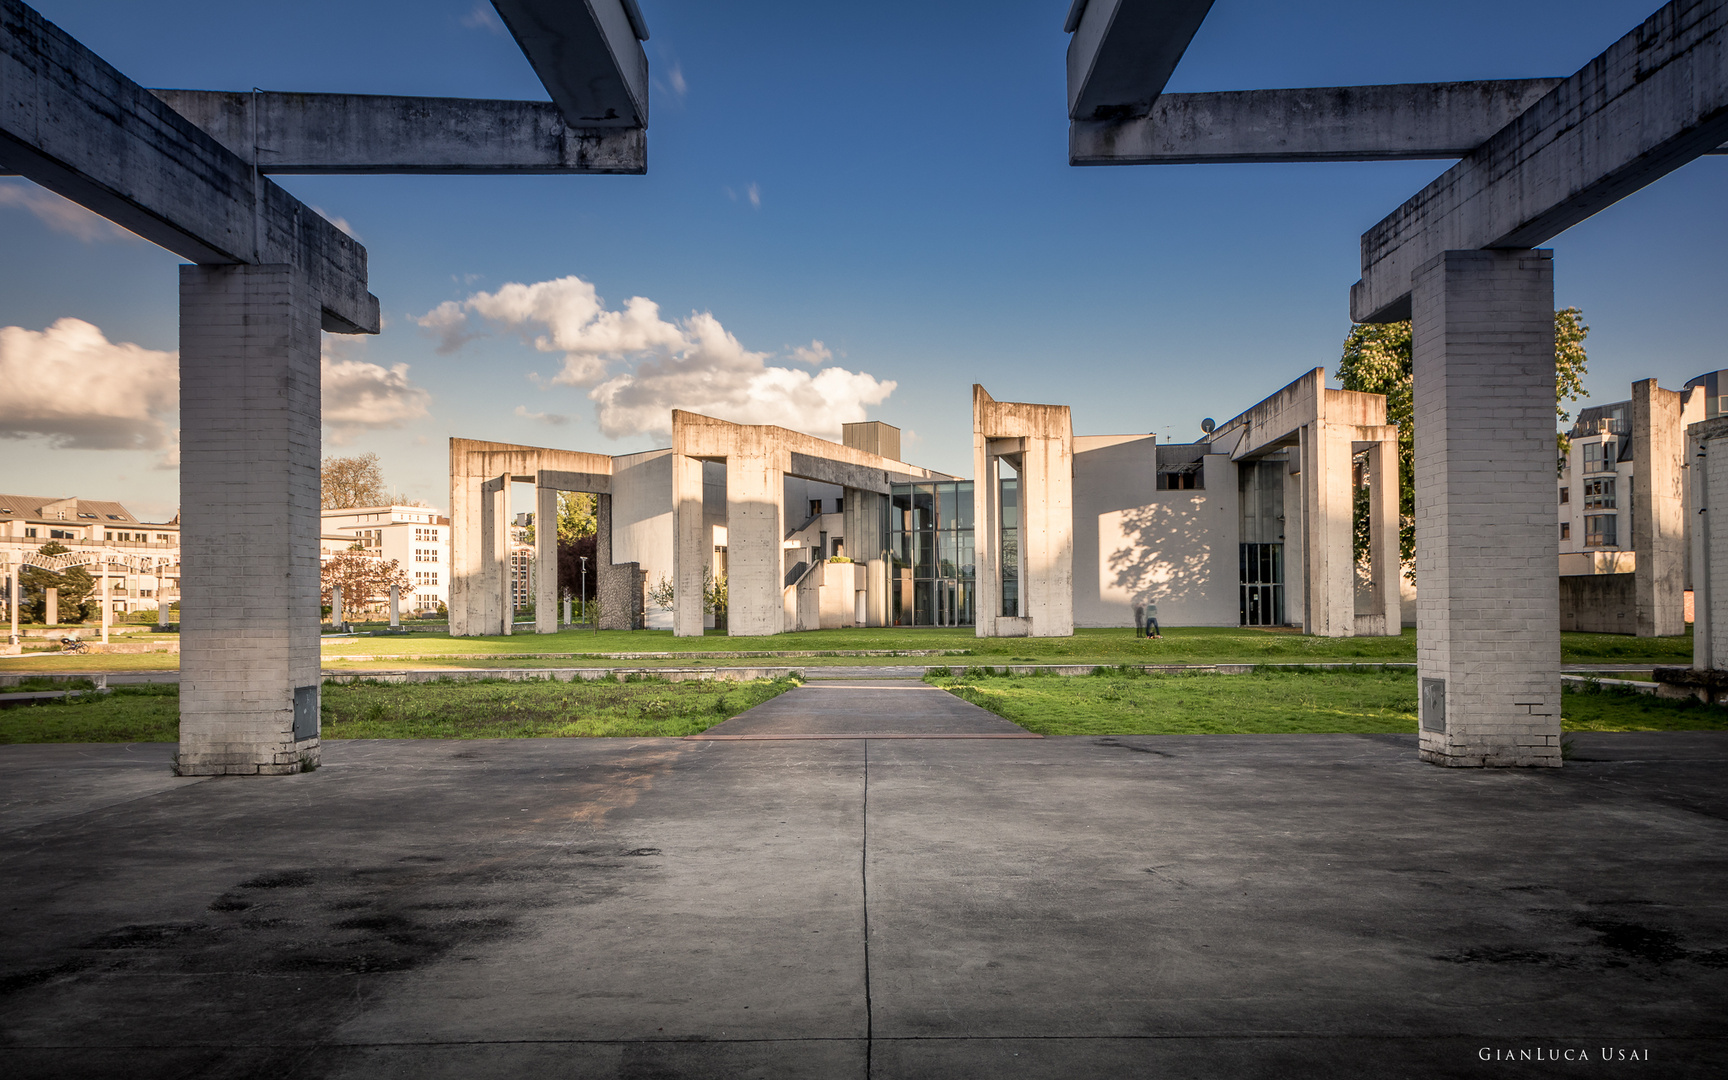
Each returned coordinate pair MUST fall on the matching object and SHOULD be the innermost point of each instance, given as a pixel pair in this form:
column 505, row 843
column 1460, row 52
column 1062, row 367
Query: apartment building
column 417, row 537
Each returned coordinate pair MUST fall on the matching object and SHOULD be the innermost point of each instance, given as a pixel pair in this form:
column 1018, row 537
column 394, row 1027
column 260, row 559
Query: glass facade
column 932, row 556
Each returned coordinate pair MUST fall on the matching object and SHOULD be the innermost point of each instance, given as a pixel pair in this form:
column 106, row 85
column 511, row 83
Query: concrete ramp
column 866, row 709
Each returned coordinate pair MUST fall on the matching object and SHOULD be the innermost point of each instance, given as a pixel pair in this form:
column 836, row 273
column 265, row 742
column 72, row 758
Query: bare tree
column 364, row 579
column 352, row 481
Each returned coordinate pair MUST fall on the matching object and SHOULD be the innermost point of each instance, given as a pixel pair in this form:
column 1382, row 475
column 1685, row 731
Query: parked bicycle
column 73, row 645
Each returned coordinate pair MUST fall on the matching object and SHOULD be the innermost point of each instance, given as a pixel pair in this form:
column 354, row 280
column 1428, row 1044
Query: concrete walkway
column 864, row 709
column 1181, row 906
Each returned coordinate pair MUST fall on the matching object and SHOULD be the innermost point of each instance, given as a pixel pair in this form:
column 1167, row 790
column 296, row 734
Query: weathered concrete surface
column 866, row 706
column 1254, row 906
column 1658, row 509
column 1317, row 123
column 1123, row 51
column 1656, row 99
column 588, row 56
column 72, row 123
column 1038, row 441
column 311, row 134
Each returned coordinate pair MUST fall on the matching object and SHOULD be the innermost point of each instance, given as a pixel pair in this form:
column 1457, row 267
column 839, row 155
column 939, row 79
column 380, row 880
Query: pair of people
column 1146, row 621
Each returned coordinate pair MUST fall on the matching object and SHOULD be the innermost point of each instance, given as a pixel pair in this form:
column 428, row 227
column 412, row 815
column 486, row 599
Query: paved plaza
column 1170, row 906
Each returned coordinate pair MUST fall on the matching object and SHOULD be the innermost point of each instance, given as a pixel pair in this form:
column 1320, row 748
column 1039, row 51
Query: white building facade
column 417, row 537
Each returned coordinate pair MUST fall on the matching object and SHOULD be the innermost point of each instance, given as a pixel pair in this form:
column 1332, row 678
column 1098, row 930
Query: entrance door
column 1262, row 585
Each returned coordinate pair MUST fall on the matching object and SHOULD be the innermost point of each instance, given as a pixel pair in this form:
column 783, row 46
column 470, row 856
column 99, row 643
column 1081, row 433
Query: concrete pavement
column 1230, row 906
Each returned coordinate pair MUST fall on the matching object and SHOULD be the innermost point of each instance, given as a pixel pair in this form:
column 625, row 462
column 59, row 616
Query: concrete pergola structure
column 480, row 477
column 757, row 459
column 268, row 274
column 1323, row 430
column 1037, row 441
column 1459, row 260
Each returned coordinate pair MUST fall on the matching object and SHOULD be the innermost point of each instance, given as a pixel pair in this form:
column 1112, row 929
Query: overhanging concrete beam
column 588, row 54
column 1656, row 99
column 1326, row 123
column 304, row 134
column 1122, row 53
column 72, row 123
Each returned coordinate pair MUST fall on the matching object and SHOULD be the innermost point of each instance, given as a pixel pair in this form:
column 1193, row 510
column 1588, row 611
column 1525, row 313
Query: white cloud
column 482, row 17
column 339, row 222
column 547, row 418
column 638, row 367
column 359, row 395
column 755, row 192
column 676, row 77
column 60, row 214
column 815, row 354
column 80, row 390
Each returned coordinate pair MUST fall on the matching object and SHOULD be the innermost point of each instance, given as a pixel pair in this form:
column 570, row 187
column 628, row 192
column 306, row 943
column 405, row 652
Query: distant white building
column 417, row 537
column 88, row 525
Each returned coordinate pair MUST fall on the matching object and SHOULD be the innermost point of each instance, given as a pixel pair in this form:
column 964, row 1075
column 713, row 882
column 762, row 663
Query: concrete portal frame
column 757, row 459
column 1038, row 440
column 480, row 477
column 1324, row 430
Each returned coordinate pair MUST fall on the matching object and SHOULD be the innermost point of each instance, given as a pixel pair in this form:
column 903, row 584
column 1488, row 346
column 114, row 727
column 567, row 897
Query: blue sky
column 915, row 214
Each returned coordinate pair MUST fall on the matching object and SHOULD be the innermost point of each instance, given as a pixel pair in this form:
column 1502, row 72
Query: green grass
column 1274, row 702
column 475, row 709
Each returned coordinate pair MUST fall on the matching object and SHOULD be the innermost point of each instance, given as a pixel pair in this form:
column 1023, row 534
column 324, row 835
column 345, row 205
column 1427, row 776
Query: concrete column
column 1295, row 548
column 1487, row 604
column 468, row 532
column 107, row 607
column 1329, row 508
column 1709, row 457
column 1658, row 511
column 249, row 455
column 335, row 607
column 692, row 551
column 161, row 604
column 1047, row 535
column 17, row 570
column 755, row 528
column 546, row 560
column 395, row 605
column 567, row 621
column 500, row 612
column 1383, row 531
column 987, row 535
column 51, row 606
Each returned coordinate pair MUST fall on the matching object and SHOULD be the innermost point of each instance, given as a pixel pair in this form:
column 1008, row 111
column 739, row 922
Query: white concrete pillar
column 987, row 536
column 501, row 604
column 161, row 605
column 1383, row 531
column 546, row 560
column 755, row 529
column 51, row 606
column 1487, row 597
column 17, row 569
column 691, row 549
column 1656, row 505
column 1295, row 545
column 1047, row 535
column 395, row 605
column 249, row 455
column 468, row 535
column 1328, row 511
column 335, row 607
column 107, row 606
column 567, row 621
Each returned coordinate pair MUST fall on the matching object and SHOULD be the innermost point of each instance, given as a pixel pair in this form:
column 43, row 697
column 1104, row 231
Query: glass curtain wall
column 930, row 546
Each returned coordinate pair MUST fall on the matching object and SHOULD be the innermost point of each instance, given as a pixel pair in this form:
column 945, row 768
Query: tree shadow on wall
column 1167, row 558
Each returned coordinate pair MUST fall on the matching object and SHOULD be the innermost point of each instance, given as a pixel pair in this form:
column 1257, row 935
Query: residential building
column 417, row 537
column 141, row 560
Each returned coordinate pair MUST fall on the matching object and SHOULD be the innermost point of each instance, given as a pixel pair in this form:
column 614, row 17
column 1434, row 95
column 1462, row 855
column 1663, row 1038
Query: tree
column 363, row 578
column 352, row 481
column 75, row 584
column 577, row 531
column 1377, row 360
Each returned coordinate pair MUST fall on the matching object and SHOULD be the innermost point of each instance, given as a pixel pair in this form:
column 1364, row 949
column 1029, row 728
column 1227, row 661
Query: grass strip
column 454, row 709
column 1282, row 701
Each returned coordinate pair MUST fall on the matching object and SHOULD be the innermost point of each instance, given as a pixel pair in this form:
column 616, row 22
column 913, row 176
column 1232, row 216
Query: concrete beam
column 1322, row 123
column 1656, row 99
column 588, row 55
column 72, row 123
column 1122, row 53
column 312, row 134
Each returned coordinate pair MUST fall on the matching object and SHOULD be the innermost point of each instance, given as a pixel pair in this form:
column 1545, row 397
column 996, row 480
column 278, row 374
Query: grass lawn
column 487, row 709
column 1273, row 702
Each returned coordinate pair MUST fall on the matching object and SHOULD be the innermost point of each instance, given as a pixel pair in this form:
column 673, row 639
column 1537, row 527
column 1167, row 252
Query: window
column 29, row 532
column 111, row 517
column 1565, row 530
column 839, row 506
column 1565, row 495
column 1600, row 457
column 59, row 534
column 1599, row 494
column 1599, row 531
column 815, row 507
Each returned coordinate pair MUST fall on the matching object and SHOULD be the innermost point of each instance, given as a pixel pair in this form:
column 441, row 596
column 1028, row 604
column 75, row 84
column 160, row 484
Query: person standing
column 1139, row 619
column 1152, row 630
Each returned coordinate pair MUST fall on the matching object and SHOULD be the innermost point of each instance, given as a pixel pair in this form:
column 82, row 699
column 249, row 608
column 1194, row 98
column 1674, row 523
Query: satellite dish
column 1207, row 425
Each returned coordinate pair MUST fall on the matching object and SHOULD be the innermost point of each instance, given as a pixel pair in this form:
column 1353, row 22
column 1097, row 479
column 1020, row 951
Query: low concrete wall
column 1599, row 604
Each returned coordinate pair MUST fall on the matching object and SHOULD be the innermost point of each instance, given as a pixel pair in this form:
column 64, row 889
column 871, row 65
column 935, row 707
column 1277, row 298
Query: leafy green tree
column 1377, row 359
column 75, row 583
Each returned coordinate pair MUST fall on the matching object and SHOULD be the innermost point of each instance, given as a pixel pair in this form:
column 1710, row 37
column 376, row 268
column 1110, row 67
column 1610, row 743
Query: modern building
column 417, row 537
column 1253, row 523
column 140, row 560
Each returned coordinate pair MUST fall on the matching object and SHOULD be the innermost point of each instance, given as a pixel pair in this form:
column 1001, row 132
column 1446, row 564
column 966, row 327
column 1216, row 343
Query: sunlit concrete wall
column 642, row 519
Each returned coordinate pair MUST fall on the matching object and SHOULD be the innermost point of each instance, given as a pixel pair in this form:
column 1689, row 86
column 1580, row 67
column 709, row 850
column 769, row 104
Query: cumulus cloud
column 82, row 391
column 548, row 418
column 815, row 354
column 637, row 366
column 359, row 395
column 60, row 214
